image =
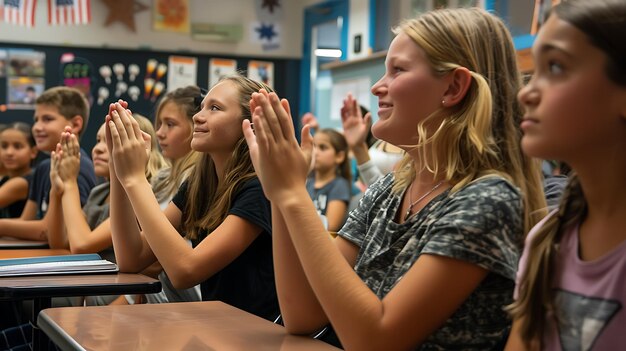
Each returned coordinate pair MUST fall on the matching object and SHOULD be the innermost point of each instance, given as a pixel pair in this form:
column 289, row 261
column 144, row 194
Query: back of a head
column 70, row 102
column 156, row 161
column 185, row 98
column 604, row 23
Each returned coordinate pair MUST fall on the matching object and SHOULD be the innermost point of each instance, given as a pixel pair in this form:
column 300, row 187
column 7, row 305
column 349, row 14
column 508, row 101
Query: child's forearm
column 56, row 231
column 21, row 229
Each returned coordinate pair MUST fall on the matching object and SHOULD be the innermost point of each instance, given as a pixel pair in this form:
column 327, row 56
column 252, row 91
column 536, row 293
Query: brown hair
column 70, row 102
column 204, row 192
column 339, row 143
column 185, row 99
column 604, row 22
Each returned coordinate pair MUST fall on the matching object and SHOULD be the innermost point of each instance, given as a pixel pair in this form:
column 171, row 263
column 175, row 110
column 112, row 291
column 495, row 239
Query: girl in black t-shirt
column 221, row 208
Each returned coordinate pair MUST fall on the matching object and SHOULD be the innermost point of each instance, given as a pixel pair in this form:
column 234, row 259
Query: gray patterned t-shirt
column 481, row 223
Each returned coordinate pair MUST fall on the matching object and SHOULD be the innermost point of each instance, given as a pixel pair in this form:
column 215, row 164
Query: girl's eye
column 555, row 67
column 169, row 124
column 214, row 108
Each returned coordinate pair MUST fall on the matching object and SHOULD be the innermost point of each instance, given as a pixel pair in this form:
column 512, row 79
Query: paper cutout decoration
column 134, row 92
column 262, row 71
column 161, row 69
column 148, row 83
column 120, row 88
column 123, row 11
column 103, row 94
column 119, row 70
column 80, row 74
column 157, row 90
column 105, row 72
column 133, row 71
column 171, row 16
column 151, row 66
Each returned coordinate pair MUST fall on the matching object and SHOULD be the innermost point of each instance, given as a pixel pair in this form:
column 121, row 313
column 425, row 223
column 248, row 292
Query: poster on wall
column 539, row 16
column 219, row 68
column 182, row 71
column 78, row 73
column 171, row 16
column 28, row 63
column 23, row 91
column 25, row 71
column 3, row 63
column 262, row 71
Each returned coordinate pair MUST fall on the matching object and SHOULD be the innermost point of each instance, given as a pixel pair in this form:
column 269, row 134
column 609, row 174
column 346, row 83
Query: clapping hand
column 129, row 147
column 65, row 161
column 280, row 163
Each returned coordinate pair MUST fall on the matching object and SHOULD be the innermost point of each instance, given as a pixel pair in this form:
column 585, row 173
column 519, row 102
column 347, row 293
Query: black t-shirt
column 247, row 282
column 14, row 210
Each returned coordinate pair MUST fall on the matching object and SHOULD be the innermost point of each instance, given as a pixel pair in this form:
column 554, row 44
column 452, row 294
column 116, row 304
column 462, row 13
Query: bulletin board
column 139, row 76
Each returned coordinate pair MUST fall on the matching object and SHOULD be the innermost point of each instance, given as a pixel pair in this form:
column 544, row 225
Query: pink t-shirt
column 590, row 298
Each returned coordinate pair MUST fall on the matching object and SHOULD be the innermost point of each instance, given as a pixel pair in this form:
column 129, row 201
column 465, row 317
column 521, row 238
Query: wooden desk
column 12, row 243
column 32, row 253
column 210, row 325
column 41, row 289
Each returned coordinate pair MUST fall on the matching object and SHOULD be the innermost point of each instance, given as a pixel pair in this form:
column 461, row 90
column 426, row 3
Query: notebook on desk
column 49, row 265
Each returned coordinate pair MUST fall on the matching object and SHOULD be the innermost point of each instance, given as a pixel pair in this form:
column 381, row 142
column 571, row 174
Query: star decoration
column 123, row 11
column 266, row 31
column 270, row 4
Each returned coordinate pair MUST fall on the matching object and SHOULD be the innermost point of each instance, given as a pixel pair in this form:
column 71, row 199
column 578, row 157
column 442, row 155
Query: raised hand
column 280, row 163
column 355, row 126
column 311, row 120
column 129, row 148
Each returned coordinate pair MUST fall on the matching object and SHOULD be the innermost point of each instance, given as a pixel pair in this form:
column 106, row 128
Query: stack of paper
column 45, row 265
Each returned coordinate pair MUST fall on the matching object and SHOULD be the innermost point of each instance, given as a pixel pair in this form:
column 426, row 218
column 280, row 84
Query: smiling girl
column 220, row 208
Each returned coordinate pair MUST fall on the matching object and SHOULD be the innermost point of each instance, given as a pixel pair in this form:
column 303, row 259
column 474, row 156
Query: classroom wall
column 288, row 16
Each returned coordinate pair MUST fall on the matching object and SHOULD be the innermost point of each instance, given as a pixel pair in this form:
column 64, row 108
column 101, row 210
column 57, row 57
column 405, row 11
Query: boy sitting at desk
column 55, row 109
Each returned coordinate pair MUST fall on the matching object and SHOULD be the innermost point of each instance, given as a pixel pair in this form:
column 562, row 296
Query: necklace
column 408, row 211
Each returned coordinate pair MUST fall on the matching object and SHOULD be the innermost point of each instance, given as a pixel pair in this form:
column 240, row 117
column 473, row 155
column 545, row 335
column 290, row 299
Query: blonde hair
column 603, row 22
column 339, row 144
column 70, row 102
column 156, row 161
column 186, row 100
column 480, row 136
column 209, row 200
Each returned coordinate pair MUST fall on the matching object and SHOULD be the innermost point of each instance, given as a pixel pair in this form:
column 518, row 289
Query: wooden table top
column 209, row 325
column 43, row 286
column 7, row 242
column 21, row 253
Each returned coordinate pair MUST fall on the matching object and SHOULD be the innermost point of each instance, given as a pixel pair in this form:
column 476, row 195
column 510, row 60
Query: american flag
column 20, row 12
column 62, row 12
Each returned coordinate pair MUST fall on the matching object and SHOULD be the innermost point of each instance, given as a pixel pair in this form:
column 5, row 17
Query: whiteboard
column 360, row 89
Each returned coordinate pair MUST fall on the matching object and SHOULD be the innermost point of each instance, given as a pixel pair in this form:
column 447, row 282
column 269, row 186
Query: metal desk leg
column 40, row 339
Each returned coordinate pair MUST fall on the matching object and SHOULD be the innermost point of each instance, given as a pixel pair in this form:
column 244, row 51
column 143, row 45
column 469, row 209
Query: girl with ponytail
column 571, row 289
column 428, row 258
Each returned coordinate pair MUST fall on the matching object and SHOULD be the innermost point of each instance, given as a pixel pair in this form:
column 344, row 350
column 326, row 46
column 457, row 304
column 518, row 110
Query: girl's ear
column 33, row 152
column 459, row 82
column 340, row 157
